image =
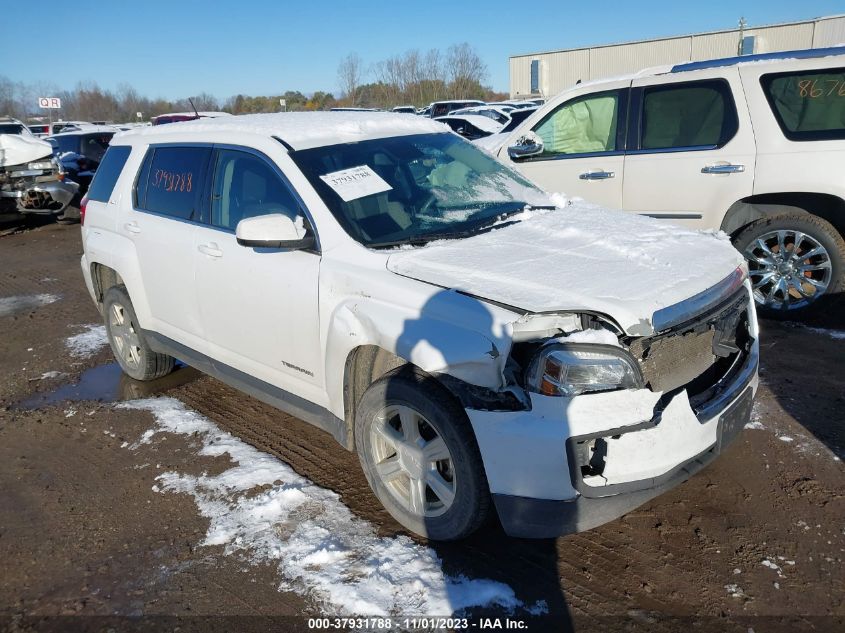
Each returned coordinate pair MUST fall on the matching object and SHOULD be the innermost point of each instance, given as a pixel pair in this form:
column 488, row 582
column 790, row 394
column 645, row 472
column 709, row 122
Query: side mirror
column 526, row 146
column 273, row 231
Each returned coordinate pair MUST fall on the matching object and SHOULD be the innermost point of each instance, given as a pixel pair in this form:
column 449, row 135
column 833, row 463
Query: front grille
column 698, row 354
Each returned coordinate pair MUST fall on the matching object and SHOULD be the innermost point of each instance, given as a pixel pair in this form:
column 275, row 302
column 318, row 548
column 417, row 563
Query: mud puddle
column 107, row 383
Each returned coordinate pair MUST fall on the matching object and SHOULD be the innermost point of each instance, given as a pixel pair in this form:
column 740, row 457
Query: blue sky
column 178, row 48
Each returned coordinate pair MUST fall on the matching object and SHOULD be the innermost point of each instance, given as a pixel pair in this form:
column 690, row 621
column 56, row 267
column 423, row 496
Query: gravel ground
column 87, row 528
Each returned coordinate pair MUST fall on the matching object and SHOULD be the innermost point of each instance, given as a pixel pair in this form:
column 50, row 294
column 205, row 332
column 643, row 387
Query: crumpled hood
column 582, row 258
column 16, row 149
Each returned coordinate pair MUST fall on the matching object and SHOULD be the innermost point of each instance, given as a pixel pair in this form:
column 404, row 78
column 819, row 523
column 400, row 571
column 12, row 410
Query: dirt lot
column 89, row 526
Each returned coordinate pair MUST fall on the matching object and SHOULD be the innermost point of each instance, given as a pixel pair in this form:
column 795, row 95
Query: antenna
column 191, row 101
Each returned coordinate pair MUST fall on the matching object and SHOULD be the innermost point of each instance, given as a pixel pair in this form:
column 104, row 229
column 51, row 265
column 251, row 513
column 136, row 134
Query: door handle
column 723, row 168
column 132, row 227
column 597, row 175
column 211, row 249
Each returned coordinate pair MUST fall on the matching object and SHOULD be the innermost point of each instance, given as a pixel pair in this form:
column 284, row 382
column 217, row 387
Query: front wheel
column 795, row 262
column 420, row 456
column 130, row 348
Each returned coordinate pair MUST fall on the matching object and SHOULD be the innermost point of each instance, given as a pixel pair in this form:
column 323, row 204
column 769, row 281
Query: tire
column 790, row 286
column 130, row 348
column 451, row 498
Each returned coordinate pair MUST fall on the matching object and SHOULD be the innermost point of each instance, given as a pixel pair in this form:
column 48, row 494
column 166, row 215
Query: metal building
column 546, row 74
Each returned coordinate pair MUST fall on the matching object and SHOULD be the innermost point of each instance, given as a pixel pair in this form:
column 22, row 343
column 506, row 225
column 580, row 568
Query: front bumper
column 653, row 443
column 56, row 194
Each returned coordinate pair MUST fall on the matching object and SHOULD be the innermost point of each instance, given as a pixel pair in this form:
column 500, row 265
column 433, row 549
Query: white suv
column 754, row 146
column 382, row 278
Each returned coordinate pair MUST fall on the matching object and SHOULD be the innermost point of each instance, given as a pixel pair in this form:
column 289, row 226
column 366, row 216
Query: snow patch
column 263, row 510
column 773, row 566
column 838, row 335
column 88, row 342
column 51, row 374
column 734, row 590
column 21, row 303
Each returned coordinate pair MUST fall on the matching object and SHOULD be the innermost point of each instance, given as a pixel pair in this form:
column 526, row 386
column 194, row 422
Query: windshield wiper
column 496, row 221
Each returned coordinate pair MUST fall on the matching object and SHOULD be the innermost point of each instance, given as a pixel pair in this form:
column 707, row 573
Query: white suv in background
column 754, row 146
column 389, row 282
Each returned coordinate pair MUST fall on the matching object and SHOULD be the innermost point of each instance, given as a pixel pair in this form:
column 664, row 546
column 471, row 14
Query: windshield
column 414, row 189
column 11, row 128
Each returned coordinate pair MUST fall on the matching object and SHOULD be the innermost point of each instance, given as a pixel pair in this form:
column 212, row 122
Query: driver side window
column 246, row 186
column 584, row 125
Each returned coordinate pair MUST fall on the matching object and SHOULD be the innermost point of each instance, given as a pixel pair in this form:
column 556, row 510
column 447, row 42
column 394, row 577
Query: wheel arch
column 744, row 212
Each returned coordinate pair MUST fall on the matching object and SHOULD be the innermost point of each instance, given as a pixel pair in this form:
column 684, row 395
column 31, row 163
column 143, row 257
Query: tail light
column 82, row 205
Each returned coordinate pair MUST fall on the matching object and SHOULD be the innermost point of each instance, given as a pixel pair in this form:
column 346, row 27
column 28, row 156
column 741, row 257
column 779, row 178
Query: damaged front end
column 613, row 420
column 31, row 179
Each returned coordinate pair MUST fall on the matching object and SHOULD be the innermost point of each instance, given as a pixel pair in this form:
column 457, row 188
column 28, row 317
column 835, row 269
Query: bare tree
column 350, row 75
column 466, row 70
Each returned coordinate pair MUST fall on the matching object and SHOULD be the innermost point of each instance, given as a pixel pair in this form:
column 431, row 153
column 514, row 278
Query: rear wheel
column 795, row 263
column 420, row 456
column 130, row 348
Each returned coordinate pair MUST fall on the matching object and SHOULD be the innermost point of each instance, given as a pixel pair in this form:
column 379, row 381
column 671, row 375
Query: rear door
column 583, row 146
column 166, row 211
column 691, row 148
column 259, row 305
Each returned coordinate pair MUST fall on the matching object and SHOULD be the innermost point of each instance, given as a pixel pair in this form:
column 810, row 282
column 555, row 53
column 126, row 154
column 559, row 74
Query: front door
column 259, row 306
column 694, row 153
column 583, row 147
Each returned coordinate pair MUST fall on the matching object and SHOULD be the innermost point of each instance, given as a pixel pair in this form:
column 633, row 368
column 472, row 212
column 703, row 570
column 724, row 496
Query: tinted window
column 584, row 125
column 62, row 144
column 108, row 172
column 808, row 105
column 93, row 146
column 246, row 186
column 699, row 114
column 517, row 117
column 11, row 128
column 172, row 181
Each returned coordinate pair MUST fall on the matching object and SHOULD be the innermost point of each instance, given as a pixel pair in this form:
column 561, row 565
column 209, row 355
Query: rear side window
column 108, row 172
column 65, row 144
column 170, row 181
column 695, row 115
column 93, row 146
column 808, row 106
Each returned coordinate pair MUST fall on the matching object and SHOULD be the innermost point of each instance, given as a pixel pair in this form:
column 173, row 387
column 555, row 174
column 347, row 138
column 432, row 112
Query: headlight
column 573, row 369
column 40, row 164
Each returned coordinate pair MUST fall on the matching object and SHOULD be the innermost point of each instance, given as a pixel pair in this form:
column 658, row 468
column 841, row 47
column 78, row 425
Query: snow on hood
column 16, row 149
column 578, row 258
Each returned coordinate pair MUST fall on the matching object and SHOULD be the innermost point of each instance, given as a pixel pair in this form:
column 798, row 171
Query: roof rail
column 805, row 53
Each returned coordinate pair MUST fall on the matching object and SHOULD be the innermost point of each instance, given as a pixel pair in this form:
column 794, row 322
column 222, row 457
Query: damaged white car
column 31, row 179
column 478, row 345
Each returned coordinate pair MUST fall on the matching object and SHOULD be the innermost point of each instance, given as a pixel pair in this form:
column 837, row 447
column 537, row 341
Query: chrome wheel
column 788, row 269
column 127, row 345
column 413, row 462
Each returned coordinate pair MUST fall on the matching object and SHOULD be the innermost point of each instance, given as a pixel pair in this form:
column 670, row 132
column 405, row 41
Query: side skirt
column 269, row 394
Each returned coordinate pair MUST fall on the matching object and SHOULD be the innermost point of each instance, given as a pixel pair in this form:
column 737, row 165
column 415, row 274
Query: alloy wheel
column 413, row 462
column 125, row 336
column 788, row 269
